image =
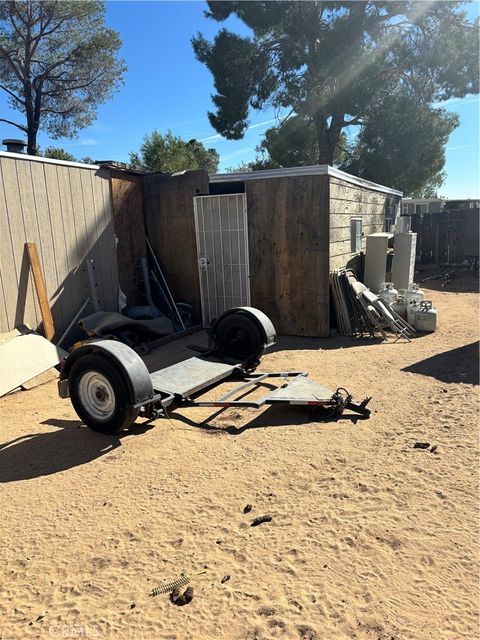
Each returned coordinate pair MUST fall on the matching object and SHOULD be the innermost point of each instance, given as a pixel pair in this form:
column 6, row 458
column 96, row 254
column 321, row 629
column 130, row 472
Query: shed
column 266, row 238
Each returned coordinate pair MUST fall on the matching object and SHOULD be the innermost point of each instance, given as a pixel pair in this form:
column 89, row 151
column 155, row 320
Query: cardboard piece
column 24, row 357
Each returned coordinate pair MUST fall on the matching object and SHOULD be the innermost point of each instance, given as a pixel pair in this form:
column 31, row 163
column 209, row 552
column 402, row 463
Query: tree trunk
column 327, row 137
column 32, row 142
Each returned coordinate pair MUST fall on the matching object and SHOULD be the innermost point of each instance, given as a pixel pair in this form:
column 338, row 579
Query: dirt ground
column 370, row 538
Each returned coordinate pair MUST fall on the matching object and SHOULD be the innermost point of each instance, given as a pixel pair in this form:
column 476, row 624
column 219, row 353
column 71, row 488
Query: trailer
column 110, row 386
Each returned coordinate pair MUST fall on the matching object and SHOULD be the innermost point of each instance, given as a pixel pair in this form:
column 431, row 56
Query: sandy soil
column 371, row 539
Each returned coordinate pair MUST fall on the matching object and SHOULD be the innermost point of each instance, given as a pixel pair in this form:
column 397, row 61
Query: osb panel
column 288, row 245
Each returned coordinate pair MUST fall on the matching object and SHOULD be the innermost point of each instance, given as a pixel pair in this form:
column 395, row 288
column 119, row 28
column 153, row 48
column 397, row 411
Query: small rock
column 219, row 541
column 133, row 605
column 421, row 445
column 182, row 599
column 248, row 508
column 261, row 520
column 225, row 579
column 433, row 448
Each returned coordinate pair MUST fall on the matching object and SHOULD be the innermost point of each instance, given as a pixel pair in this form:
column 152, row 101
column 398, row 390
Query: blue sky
column 167, row 88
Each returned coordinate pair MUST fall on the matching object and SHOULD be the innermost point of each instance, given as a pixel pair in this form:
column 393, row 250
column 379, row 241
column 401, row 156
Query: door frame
column 196, row 199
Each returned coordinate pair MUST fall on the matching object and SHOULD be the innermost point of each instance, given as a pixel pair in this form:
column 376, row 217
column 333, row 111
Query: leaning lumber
column 360, row 312
column 39, row 280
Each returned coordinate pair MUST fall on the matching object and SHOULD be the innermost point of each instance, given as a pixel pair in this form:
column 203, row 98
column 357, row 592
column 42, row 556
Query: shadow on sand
column 272, row 417
column 456, row 365
column 71, row 445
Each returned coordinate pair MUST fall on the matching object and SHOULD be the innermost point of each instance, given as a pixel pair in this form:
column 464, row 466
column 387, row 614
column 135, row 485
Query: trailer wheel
column 100, row 395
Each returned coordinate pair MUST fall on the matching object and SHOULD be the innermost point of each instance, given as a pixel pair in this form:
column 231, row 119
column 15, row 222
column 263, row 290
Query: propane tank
column 400, row 306
column 413, row 293
column 412, row 307
column 426, row 316
column 388, row 293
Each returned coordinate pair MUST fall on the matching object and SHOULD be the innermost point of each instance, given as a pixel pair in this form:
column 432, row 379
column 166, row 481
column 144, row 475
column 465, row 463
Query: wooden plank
column 170, row 226
column 340, row 190
column 42, row 378
column 128, row 222
column 25, row 357
column 341, row 234
column 346, row 201
column 39, row 280
column 289, row 256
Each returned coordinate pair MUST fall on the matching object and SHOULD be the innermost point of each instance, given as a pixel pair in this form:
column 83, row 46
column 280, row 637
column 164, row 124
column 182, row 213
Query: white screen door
column 222, row 246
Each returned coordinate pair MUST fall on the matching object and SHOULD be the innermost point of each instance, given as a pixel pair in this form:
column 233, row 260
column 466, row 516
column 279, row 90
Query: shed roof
column 313, row 170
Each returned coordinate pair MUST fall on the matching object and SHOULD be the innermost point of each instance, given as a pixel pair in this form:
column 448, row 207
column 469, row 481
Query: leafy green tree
column 293, row 144
column 402, row 145
column 57, row 153
column 58, row 62
column 331, row 62
column 169, row 153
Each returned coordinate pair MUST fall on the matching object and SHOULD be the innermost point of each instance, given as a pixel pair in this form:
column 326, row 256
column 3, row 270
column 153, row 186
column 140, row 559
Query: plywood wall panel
column 288, row 243
column 170, row 226
column 128, row 221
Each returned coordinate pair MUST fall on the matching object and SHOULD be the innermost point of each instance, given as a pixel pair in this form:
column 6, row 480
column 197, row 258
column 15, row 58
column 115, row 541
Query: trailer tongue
column 109, row 384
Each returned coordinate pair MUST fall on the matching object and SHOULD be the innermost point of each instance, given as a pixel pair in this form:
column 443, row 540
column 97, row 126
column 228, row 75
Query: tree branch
column 10, row 93
column 14, row 124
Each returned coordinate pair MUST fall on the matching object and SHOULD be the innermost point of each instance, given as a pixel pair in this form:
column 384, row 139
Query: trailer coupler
column 360, row 407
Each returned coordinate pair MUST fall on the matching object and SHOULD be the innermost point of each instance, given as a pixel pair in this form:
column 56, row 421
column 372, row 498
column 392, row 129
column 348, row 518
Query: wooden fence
column 447, row 237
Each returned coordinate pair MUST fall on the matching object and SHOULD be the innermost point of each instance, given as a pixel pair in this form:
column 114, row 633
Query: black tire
column 238, row 335
column 104, row 378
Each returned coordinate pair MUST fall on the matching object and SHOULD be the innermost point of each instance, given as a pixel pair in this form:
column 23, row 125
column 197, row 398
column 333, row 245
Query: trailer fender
column 123, row 357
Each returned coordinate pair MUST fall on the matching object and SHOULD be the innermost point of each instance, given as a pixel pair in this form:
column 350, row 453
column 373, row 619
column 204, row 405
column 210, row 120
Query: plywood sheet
column 288, row 220
column 25, row 357
column 127, row 202
column 170, row 226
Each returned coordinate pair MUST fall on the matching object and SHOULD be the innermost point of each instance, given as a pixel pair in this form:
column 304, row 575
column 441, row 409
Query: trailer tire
column 100, row 395
column 238, row 335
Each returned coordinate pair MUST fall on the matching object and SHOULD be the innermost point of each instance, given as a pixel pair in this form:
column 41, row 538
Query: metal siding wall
column 67, row 211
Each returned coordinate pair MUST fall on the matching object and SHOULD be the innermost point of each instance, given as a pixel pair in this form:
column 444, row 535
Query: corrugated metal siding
column 67, row 211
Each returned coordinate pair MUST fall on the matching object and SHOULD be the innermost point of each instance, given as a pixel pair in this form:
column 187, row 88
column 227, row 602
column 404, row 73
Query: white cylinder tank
column 426, row 316
column 413, row 293
column 388, row 293
column 412, row 307
column 400, row 306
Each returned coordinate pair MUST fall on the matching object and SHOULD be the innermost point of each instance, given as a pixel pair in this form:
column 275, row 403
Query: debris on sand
column 180, row 599
column 261, row 520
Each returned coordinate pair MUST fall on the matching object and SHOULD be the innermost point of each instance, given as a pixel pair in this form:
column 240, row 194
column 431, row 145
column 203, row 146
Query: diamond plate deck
column 189, row 376
column 301, row 389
